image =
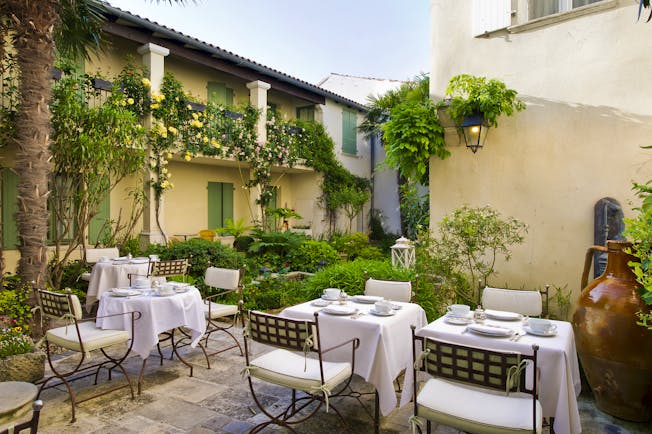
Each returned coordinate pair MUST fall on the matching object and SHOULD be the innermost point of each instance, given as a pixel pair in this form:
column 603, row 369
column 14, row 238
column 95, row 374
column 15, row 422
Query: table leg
column 140, row 376
column 376, row 413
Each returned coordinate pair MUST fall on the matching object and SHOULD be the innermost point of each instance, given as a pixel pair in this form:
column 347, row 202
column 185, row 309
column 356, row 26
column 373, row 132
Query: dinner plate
column 377, row 313
column 503, row 315
column 323, row 297
column 490, row 330
column 547, row 333
column 158, row 294
column 339, row 310
column 367, row 299
column 122, row 292
column 457, row 320
column 320, row 303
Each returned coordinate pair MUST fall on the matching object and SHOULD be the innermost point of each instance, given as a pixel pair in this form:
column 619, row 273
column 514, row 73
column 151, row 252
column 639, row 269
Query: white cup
column 542, row 325
column 459, row 310
column 331, row 293
column 382, row 306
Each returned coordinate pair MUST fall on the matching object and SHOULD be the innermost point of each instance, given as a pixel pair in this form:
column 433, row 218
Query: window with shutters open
column 306, row 113
column 99, row 225
column 349, row 132
column 220, row 203
column 218, row 93
column 491, row 15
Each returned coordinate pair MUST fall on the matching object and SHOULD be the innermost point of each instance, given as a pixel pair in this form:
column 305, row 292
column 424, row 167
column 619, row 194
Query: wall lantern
column 475, row 131
column 403, row 253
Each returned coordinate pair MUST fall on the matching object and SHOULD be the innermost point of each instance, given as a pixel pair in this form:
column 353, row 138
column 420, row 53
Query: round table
column 16, row 399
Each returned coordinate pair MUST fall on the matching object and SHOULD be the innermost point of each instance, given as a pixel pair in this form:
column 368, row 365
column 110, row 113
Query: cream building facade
column 580, row 66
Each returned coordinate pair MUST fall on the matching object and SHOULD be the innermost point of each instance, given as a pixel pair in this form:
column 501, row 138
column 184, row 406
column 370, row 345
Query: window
column 9, row 208
column 542, row 8
column 349, row 132
column 220, row 203
column 218, row 93
column 99, row 225
column 306, row 113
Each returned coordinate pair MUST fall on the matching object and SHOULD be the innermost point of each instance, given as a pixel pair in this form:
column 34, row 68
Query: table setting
column 510, row 331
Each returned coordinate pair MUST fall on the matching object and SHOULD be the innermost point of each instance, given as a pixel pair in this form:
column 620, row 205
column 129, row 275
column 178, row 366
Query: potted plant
column 232, row 230
column 20, row 359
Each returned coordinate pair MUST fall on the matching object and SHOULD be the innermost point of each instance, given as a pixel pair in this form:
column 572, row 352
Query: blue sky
column 307, row 39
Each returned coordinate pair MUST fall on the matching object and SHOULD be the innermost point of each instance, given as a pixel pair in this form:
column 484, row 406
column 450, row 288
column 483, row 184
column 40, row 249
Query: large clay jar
column 615, row 352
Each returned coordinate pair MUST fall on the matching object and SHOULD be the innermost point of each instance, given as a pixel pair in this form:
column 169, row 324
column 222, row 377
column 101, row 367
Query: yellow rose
column 130, row 101
column 164, row 170
column 169, row 155
column 189, row 107
column 146, row 82
column 187, row 157
column 205, row 139
column 154, row 106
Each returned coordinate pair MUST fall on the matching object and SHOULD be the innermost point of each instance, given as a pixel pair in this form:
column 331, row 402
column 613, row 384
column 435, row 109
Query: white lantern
column 403, row 253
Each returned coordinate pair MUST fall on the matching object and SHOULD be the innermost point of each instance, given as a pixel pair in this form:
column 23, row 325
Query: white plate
column 320, row 303
column 490, row 330
column 367, row 299
column 339, row 310
column 503, row 315
column 158, row 294
column 375, row 312
column 120, row 261
column 323, row 297
column 531, row 331
column 139, row 261
column 121, row 292
column 457, row 320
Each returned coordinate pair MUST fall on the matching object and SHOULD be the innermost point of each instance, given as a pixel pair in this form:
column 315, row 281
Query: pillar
column 258, row 99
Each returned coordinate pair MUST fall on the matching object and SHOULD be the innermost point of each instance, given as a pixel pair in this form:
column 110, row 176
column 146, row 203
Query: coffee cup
column 458, row 310
column 382, row 306
column 331, row 293
column 542, row 325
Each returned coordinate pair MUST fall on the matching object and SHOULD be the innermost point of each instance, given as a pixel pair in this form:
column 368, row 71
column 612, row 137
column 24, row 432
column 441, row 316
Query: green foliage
column 310, row 253
column 278, row 243
column 356, row 245
column 131, row 246
column 13, row 340
column 273, row 293
column 236, row 228
column 639, row 230
column 490, row 98
column 352, row 200
column 415, row 210
column 471, row 239
column 14, row 304
column 10, row 100
column 560, row 302
column 71, row 272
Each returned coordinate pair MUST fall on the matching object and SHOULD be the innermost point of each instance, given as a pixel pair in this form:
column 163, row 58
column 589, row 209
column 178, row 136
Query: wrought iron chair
column 31, row 424
column 289, row 365
column 164, row 268
column 494, row 391
column 82, row 336
column 521, row 301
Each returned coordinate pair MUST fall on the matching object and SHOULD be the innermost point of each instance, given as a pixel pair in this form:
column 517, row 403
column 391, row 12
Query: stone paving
column 218, row 400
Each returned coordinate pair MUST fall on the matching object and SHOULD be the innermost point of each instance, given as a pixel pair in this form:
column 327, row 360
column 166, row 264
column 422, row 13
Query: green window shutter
column 99, row 222
column 349, row 125
column 9, row 208
column 306, row 113
column 220, row 203
column 218, row 93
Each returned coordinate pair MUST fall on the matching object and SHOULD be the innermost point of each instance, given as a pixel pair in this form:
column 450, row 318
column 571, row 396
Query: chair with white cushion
column 474, row 389
column 93, row 255
column 296, row 362
column 82, row 336
column 389, row 289
column 520, row 301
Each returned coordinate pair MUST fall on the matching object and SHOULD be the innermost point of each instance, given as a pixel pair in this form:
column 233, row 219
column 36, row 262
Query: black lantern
column 475, row 131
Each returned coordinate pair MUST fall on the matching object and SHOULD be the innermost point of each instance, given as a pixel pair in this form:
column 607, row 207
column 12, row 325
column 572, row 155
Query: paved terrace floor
column 218, row 401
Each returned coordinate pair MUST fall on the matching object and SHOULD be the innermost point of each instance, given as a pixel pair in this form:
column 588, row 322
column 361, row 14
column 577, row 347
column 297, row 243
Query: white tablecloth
column 557, row 360
column 159, row 314
column 385, row 343
column 107, row 275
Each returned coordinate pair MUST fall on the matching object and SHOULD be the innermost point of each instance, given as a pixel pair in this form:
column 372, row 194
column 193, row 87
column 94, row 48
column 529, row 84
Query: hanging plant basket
column 28, row 367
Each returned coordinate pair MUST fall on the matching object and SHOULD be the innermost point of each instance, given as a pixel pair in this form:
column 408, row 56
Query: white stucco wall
column 588, row 112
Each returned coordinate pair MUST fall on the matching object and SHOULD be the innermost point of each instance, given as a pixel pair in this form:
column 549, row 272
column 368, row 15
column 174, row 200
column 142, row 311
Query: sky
column 307, row 39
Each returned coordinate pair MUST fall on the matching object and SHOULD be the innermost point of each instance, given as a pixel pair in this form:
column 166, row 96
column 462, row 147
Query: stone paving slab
column 218, row 400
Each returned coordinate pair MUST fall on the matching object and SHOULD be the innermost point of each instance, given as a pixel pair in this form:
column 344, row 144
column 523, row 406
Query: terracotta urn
column 614, row 351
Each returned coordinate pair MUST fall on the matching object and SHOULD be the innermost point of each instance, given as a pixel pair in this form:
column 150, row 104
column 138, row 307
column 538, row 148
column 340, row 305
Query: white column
column 154, row 60
column 258, row 99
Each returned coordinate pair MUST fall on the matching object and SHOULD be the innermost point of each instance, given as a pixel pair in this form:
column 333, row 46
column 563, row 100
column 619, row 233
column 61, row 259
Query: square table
column 557, row 361
column 385, row 342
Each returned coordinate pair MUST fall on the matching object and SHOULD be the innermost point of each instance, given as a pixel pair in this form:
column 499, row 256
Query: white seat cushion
column 286, row 368
column 512, row 300
column 476, row 409
column 92, row 336
column 390, row 290
column 219, row 310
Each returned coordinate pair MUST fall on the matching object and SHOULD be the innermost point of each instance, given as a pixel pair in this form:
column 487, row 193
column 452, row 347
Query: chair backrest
column 31, row 424
column 293, row 335
column 93, row 255
column 169, row 267
column 57, row 305
column 513, row 300
column 223, row 278
column 503, row 371
column 389, row 289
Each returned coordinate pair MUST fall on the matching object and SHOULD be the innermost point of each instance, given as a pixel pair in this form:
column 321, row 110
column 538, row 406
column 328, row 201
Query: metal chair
column 164, row 268
column 289, row 365
column 31, row 424
column 493, row 391
column 82, row 336
column 389, row 289
column 521, row 301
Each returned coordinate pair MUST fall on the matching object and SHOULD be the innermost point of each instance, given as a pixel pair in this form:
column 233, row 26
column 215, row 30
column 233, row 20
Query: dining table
column 557, row 361
column 385, row 342
column 113, row 273
column 159, row 314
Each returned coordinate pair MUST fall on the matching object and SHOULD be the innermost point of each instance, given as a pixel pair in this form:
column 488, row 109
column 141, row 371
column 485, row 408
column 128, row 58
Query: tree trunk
column 33, row 22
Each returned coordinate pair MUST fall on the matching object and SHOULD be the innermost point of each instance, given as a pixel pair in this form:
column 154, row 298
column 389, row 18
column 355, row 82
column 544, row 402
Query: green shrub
column 14, row 301
column 355, row 245
column 70, row 278
column 273, row 293
column 308, row 255
column 279, row 243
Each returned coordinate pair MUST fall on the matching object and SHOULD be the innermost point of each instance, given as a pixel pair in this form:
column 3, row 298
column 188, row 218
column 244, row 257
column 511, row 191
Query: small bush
column 310, row 253
column 273, row 293
column 356, row 245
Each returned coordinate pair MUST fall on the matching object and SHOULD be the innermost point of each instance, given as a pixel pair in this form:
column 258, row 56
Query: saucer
column 377, row 313
column 546, row 333
column 502, row 315
column 320, row 303
column 457, row 320
column 323, row 297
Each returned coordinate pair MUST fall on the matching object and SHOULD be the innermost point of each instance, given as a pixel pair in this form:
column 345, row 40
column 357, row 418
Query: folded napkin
column 502, row 314
column 338, row 310
column 368, row 298
column 490, row 330
column 124, row 292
